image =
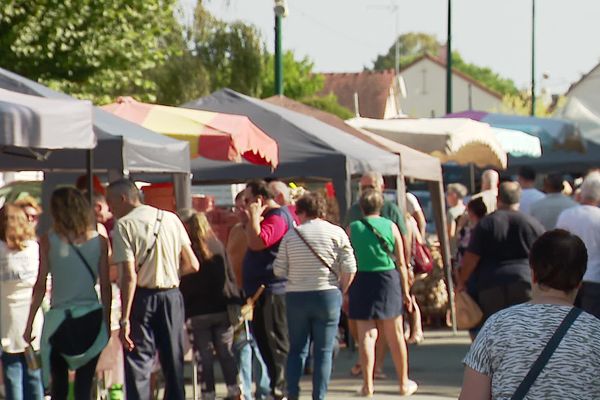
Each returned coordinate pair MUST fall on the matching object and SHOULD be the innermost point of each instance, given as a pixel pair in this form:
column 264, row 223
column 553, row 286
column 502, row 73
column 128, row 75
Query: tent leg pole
column 90, row 175
column 472, row 177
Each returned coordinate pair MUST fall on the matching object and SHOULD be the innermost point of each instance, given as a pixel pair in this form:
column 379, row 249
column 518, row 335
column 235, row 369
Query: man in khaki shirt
column 152, row 250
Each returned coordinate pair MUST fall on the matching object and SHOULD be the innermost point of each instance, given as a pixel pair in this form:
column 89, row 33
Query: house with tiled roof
column 425, row 83
column 378, row 94
column 583, row 104
column 371, row 94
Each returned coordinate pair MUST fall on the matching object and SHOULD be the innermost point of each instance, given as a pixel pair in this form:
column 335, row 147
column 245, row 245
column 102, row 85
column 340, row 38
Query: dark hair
column 70, row 211
column 477, row 207
column 527, row 173
column 509, row 193
column 559, row 260
column 260, row 187
column 313, row 205
column 239, row 195
column 371, row 201
column 554, row 182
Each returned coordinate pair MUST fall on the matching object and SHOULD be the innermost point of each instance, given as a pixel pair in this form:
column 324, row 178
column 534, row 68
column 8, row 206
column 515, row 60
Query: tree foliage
column 93, row 49
column 415, row 44
column 299, row 81
column 328, row 103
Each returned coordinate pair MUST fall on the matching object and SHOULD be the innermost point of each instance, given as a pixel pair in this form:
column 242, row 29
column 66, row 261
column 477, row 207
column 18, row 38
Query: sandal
column 356, row 370
column 411, row 388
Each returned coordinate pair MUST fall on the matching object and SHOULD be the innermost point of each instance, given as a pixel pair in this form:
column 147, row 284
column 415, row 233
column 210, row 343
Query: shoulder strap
column 380, row 239
column 546, row 353
column 87, row 265
column 315, row 253
column 159, row 217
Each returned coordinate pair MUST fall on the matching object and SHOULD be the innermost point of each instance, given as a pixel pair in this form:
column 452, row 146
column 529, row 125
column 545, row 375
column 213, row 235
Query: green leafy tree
column 329, row 104
column 416, row 44
column 95, row 49
column 232, row 54
column 299, row 81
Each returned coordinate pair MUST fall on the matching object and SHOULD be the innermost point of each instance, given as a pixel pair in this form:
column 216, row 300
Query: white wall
column 426, row 92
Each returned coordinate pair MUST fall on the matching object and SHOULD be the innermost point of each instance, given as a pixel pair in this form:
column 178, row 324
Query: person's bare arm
column 402, row 267
column 105, row 287
column 188, row 261
column 346, row 281
column 39, row 289
column 252, row 228
column 476, row 386
column 128, row 282
column 421, row 222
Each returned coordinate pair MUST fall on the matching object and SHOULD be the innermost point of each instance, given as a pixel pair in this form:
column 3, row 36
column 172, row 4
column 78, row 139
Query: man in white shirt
column 549, row 208
column 489, row 189
column 416, row 211
column 584, row 221
column 152, row 250
column 529, row 194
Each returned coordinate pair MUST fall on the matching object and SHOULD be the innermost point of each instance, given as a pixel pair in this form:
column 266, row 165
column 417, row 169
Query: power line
column 328, row 27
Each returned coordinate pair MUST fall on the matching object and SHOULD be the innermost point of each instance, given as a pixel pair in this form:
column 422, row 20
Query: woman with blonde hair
column 206, row 295
column 76, row 326
column 19, row 261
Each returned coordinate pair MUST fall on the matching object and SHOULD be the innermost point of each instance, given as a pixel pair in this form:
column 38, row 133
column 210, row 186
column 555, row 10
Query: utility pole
column 449, row 61
column 532, row 113
column 281, row 11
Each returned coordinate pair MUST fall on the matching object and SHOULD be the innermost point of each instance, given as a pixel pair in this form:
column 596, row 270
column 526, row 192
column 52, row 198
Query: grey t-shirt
column 512, row 339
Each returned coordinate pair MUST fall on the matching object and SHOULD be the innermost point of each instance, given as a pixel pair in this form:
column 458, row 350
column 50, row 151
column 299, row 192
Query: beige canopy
column 460, row 140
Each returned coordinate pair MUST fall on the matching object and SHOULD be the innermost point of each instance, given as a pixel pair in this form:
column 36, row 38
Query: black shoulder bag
column 316, row 254
column 546, row 353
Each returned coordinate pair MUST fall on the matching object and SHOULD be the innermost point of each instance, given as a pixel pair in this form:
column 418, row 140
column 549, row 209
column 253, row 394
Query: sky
column 347, row 35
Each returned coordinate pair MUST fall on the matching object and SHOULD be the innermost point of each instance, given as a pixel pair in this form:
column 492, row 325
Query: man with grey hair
column 553, row 204
column 152, row 250
column 489, row 189
column 455, row 194
column 283, row 197
column 495, row 267
column 584, row 221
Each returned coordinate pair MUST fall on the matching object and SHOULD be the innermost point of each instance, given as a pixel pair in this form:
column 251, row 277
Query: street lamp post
column 532, row 58
column 449, row 61
column 281, row 11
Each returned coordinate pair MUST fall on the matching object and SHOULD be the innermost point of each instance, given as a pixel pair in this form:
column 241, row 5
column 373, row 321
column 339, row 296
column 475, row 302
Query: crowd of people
column 123, row 275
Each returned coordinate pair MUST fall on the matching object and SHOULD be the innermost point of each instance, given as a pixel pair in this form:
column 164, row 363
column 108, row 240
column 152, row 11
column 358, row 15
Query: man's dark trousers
column 157, row 318
column 270, row 331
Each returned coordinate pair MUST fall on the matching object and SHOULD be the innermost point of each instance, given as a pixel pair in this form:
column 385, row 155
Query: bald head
column 281, row 192
column 489, row 179
column 509, row 195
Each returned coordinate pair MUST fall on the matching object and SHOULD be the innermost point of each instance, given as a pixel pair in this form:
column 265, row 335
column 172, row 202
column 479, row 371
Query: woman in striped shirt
column 319, row 263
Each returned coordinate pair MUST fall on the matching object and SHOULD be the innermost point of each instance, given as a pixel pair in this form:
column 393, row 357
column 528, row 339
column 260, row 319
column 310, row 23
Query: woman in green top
column 379, row 290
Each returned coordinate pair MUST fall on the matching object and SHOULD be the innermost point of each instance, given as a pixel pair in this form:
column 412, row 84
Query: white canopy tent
column 460, row 140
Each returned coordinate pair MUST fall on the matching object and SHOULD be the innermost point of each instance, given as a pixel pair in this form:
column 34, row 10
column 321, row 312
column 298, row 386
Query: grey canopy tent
column 123, row 147
column 308, row 147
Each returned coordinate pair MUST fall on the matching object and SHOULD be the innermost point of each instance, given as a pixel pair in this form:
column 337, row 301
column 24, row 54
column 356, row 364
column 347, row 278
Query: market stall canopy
column 122, row 145
column 217, row 136
column 34, row 122
column 518, row 143
column 308, row 148
column 413, row 164
column 553, row 133
column 459, row 140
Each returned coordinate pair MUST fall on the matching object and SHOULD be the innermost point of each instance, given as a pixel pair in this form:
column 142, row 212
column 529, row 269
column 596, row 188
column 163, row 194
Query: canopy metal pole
column 90, row 175
column 437, row 193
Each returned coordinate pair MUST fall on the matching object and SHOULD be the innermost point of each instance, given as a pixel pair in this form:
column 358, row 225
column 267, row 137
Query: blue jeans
column 250, row 363
column 20, row 382
column 316, row 314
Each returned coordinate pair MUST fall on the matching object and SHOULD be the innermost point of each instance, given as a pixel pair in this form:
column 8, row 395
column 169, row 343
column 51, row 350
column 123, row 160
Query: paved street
column 435, row 365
